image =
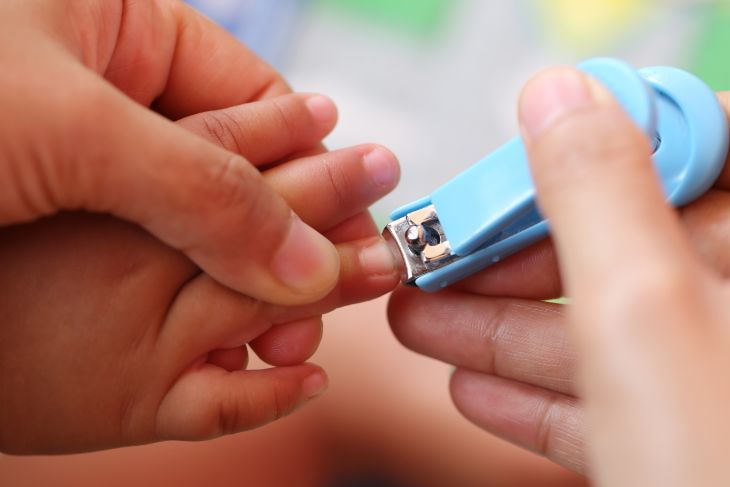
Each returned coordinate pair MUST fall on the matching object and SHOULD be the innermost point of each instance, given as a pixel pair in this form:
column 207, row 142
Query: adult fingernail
column 315, row 385
column 550, row 96
column 382, row 167
column 377, row 259
column 306, row 262
column 322, row 109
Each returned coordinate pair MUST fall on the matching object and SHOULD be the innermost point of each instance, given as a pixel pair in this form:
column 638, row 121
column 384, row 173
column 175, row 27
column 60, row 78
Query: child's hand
column 111, row 338
column 645, row 340
column 76, row 133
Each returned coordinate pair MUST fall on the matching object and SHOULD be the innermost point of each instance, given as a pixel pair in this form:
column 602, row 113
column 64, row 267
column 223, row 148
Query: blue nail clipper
column 488, row 212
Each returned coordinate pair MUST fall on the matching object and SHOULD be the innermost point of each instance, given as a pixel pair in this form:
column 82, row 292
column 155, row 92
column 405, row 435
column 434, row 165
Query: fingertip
column 382, row 166
column 315, row 384
column 549, row 96
column 322, row 110
column 377, row 259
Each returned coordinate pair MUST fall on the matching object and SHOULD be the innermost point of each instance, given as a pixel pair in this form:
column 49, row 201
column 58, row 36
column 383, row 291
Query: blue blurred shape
column 266, row 26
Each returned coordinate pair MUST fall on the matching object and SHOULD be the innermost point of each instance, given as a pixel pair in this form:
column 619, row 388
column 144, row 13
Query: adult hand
column 111, row 338
column 645, row 337
column 87, row 91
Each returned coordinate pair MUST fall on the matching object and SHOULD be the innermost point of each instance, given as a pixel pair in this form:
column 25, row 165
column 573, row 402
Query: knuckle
column 64, row 170
column 234, row 202
column 491, row 329
column 546, row 416
column 232, row 183
column 279, row 405
column 228, row 416
column 285, row 119
column 223, row 129
column 338, row 182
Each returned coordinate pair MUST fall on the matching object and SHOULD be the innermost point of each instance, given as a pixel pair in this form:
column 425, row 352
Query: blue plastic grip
column 488, row 212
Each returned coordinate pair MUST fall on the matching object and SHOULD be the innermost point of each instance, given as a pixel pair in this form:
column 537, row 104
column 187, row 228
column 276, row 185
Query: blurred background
column 436, row 81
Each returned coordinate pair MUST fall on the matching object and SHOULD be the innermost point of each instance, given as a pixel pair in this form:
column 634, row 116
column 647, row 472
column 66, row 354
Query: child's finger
column 597, row 186
column 515, row 339
column 267, row 130
column 230, row 359
column 206, row 315
column 208, row 401
column 289, row 343
column 546, row 422
column 339, row 184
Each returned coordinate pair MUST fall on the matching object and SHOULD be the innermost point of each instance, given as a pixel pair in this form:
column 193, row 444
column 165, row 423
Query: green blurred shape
column 421, row 17
column 712, row 60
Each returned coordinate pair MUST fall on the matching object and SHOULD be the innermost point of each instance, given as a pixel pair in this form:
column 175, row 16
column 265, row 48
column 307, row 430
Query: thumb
column 597, row 185
column 210, row 401
column 211, row 204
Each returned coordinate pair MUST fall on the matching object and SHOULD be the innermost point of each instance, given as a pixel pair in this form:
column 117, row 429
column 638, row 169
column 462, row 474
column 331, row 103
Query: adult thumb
column 111, row 155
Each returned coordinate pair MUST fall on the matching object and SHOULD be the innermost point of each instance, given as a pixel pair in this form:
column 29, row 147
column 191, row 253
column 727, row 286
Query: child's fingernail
column 550, row 96
column 378, row 260
column 306, row 262
column 322, row 109
column 382, row 167
column 315, row 385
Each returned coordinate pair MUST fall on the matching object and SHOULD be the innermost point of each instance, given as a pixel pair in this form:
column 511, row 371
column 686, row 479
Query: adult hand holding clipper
column 628, row 382
column 488, row 212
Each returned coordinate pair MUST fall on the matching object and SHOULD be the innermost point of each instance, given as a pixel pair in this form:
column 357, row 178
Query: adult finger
column 208, row 401
column 546, row 422
column 267, row 130
column 530, row 274
column 588, row 159
column 196, row 65
column 640, row 299
column 194, row 196
column 345, row 183
column 517, row 339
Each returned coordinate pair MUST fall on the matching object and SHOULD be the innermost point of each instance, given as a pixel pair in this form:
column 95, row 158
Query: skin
column 623, row 383
column 145, row 253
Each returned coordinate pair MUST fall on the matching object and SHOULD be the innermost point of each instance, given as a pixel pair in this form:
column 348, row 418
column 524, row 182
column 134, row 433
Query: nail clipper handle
column 480, row 202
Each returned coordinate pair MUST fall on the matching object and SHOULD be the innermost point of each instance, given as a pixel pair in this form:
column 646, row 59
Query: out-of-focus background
column 436, row 81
